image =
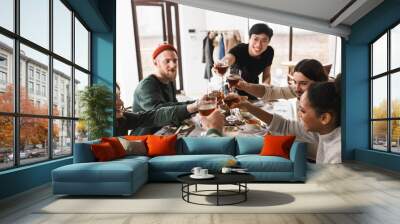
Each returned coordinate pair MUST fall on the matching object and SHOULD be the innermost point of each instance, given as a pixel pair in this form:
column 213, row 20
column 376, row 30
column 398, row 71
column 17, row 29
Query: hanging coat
column 221, row 47
column 208, row 49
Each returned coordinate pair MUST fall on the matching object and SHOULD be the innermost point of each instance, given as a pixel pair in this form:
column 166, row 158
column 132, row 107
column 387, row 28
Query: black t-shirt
column 250, row 66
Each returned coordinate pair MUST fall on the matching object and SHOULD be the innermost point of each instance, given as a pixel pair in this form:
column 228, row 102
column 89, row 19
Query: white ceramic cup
column 203, row 172
column 196, row 171
column 226, row 170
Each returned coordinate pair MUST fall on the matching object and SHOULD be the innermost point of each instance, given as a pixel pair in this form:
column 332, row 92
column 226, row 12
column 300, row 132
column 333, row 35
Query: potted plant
column 96, row 102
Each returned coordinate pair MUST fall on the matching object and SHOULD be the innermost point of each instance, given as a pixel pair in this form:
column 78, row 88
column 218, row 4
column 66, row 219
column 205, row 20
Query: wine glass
column 207, row 107
column 229, row 100
column 222, row 66
column 233, row 79
column 214, row 92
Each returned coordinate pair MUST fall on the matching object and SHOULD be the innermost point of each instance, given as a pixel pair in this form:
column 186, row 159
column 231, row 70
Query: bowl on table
column 252, row 124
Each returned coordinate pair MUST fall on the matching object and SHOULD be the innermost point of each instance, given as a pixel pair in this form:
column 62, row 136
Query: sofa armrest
column 298, row 157
column 83, row 152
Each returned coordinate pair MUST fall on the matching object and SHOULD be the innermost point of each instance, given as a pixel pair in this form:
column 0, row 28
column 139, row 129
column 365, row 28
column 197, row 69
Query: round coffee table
column 238, row 179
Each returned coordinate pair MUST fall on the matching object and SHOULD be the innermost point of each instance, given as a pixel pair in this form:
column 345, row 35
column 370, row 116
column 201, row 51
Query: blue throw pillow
column 249, row 145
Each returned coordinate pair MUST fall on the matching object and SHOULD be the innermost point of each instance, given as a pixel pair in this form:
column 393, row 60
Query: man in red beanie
column 158, row 89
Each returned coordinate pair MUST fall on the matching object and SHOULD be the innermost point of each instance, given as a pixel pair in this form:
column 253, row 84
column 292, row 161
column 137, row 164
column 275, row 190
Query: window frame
column 168, row 37
column 16, row 115
column 388, row 74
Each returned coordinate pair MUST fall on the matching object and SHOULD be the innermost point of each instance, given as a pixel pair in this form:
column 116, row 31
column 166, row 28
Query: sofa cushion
column 103, row 152
column 112, row 171
column 128, row 159
column 135, row 137
column 134, row 147
column 116, row 145
column 257, row 163
column 160, row 145
column 185, row 163
column 275, row 145
column 249, row 145
column 206, row 145
column 83, row 152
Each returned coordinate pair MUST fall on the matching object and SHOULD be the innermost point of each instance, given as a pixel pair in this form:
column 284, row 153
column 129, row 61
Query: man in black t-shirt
column 253, row 58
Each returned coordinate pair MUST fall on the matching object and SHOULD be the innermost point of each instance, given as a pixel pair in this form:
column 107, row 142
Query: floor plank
column 377, row 190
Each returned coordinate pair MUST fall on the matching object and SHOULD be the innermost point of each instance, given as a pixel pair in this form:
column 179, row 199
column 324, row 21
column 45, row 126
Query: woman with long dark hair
column 319, row 112
column 306, row 72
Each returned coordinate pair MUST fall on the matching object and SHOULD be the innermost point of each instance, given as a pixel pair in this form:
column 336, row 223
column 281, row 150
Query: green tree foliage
column 33, row 131
column 380, row 127
column 97, row 102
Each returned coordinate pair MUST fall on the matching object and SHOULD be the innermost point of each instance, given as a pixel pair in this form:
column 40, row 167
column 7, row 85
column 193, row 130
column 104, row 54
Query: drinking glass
column 214, row 92
column 222, row 66
column 229, row 100
column 233, row 79
column 206, row 107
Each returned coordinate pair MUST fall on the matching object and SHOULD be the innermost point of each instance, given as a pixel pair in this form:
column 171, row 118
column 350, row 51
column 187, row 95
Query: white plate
column 259, row 103
column 208, row 176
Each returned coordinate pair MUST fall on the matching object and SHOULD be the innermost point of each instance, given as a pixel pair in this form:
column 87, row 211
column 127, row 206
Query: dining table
column 192, row 127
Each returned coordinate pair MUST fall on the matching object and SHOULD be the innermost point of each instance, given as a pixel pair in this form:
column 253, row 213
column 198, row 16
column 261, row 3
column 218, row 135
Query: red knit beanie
column 161, row 48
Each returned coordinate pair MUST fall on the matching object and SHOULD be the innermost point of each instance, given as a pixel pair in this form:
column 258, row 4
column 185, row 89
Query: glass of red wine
column 233, row 79
column 222, row 66
column 229, row 100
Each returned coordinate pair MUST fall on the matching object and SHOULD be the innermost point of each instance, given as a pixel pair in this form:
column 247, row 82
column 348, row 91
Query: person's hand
column 241, row 102
column 231, row 99
column 194, row 107
column 215, row 120
column 242, row 85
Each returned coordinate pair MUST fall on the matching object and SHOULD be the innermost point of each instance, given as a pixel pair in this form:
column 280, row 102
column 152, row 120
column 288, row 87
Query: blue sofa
column 125, row 176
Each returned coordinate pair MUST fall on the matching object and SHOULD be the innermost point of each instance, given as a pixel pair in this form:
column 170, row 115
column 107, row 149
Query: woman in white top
column 306, row 72
column 319, row 111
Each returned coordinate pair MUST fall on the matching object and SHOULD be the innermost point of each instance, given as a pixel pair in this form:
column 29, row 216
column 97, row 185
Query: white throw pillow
column 136, row 147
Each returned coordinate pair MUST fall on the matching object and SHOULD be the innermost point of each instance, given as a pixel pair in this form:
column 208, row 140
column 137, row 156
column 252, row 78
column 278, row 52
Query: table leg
column 245, row 191
column 188, row 194
column 217, row 194
column 182, row 190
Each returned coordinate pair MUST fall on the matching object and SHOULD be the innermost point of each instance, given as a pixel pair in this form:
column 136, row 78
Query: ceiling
column 326, row 16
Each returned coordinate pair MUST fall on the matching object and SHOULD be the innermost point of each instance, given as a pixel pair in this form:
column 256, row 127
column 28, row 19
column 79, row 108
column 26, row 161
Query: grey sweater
column 152, row 94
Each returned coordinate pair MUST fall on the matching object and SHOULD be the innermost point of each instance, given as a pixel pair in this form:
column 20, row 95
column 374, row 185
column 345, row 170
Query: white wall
column 191, row 49
column 221, row 21
column 127, row 73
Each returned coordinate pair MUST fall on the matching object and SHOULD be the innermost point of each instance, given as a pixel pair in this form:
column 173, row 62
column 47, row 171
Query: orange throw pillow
column 116, row 145
column 103, row 152
column 161, row 145
column 277, row 146
column 136, row 137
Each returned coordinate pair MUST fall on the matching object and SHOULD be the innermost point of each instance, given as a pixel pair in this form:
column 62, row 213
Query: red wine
column 233, row 80
column 229, row 100
column 219, row 95
column 222, row 69
column 206, row 109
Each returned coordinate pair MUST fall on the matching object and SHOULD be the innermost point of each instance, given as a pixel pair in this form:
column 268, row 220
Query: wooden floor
column 378, row 189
